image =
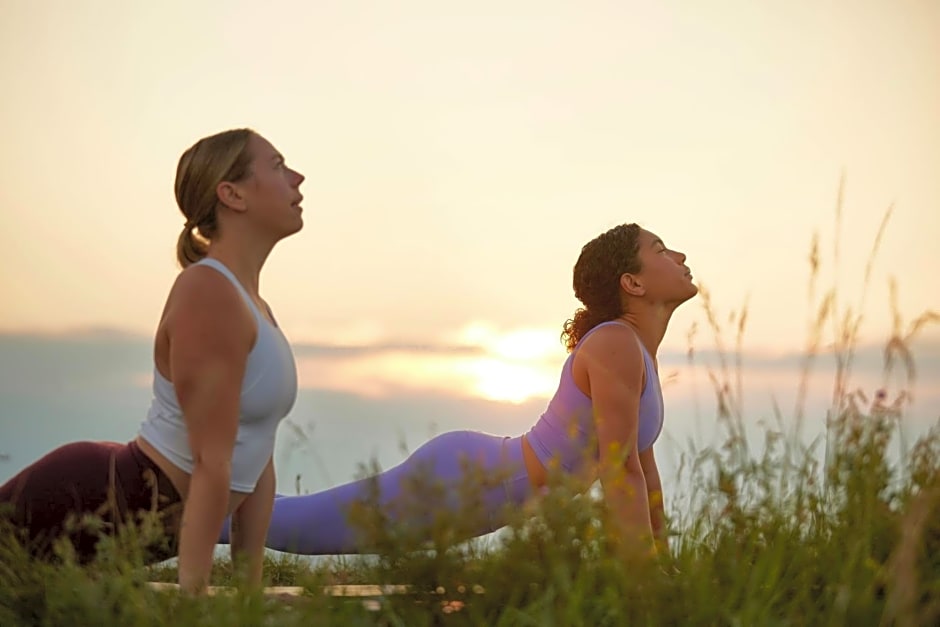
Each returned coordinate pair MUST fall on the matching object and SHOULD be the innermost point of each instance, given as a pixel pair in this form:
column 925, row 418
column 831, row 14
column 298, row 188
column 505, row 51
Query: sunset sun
column 516, row 366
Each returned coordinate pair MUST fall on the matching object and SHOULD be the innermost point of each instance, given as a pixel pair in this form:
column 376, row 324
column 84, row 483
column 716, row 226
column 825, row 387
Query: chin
column 687, row 295
column 298, row 227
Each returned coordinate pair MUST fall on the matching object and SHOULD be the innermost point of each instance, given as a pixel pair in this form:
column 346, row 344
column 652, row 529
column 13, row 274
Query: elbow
column 627, row 498
column 215, row 471
column 635, row 483
column 625, row 482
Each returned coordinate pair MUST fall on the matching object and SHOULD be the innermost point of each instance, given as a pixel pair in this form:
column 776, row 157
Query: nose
column 300, row 178
column 681, row 256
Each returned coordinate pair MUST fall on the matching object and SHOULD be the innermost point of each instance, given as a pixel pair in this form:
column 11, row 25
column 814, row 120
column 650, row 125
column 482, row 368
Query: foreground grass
column 770, row 541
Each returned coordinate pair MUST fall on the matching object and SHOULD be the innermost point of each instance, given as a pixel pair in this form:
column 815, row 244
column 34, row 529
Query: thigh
column 457, row 478
column 148, row 500
column 451, row 455
column 446, row 471
column 56, row 491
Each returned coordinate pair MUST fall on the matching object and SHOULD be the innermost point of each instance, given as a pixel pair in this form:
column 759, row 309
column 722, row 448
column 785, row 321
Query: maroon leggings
column 114, row 482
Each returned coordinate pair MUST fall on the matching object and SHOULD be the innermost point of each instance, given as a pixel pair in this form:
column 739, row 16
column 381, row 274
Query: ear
column 632, row 285
column 230, row 195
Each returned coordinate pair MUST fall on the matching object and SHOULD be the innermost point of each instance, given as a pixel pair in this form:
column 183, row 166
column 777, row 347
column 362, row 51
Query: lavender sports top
column 566, row 429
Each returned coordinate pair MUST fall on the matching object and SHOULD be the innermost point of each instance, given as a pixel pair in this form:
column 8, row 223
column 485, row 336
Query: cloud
column 308, row 349
column 80, row 334
column 478, row 362
column 868, row 358
column 68, row 363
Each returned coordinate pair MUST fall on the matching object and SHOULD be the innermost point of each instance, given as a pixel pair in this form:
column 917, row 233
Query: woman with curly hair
column 600, row 424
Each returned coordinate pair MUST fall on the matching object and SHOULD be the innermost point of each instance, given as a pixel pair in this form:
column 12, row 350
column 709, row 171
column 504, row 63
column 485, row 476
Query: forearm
column 203, row 515
column 630, row 510
column 248, row 550
column 657, row 513
column 654, row 491
column 250, row 527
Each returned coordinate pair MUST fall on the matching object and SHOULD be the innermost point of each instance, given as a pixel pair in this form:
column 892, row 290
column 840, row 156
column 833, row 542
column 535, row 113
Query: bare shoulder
column 611, row 353
column 204, row 298
column 203, row 286
column 614, row 343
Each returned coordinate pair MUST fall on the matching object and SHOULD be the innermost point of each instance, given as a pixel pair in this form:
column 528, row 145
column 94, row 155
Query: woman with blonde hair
column 224, row 377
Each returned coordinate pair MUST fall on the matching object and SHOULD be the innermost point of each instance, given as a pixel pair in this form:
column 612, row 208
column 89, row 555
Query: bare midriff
column 180, row 478
column 534, row 468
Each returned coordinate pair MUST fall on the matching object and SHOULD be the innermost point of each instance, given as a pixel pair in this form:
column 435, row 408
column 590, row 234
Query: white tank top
column 269, row 390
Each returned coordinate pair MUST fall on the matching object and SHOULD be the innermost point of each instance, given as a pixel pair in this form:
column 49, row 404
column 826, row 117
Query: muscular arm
column 615, row 369
column 210, row 334
column 654, row 490
column 250, row 525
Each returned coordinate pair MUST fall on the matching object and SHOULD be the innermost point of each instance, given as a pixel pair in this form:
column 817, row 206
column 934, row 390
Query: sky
column 459, row 154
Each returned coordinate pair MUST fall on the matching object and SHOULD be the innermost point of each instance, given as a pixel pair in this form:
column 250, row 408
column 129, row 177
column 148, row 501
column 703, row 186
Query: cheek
column 262, row 184
column 664, row 273
column 660, row 266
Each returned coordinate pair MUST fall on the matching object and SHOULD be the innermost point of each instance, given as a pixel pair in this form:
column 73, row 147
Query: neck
column 649, row 322
column 244, row 257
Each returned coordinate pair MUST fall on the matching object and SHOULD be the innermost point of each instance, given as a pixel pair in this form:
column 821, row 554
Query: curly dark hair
column 596, row 282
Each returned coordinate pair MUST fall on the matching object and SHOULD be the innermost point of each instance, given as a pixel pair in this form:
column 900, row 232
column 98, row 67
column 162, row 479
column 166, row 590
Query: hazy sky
column 459, row 154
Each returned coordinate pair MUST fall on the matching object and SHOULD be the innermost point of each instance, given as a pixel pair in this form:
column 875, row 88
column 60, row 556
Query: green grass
column 776, row 536
column 769, row 542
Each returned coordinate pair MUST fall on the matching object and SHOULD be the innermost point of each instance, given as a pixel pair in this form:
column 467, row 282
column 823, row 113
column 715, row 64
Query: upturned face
column 272, row 191
column 664, row 277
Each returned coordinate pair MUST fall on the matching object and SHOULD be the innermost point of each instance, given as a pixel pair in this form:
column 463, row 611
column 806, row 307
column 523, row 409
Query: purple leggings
column 475, row 475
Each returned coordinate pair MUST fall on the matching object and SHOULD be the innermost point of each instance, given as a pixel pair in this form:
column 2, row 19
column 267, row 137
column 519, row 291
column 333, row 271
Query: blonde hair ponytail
column 210, row 161
column 190, row 248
